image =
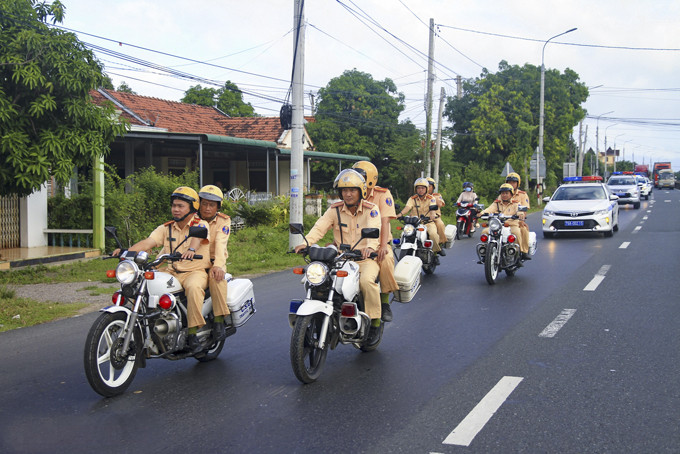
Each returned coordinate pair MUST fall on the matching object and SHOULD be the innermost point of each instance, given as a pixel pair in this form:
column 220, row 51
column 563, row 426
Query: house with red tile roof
column 247, row 152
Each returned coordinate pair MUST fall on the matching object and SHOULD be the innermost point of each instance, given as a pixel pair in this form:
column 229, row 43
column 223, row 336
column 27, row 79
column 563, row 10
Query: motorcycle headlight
column 495, row 226
column 126, row 272
column 317, row 273
column 409, row 230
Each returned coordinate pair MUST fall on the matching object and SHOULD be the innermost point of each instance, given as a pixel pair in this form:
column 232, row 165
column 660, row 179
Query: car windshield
column 575, row 192
column 620, row 181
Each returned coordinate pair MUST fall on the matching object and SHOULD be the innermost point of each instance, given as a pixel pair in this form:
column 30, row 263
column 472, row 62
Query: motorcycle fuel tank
column 348, row 286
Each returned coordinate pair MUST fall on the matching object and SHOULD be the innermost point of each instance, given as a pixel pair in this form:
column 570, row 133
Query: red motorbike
column 466, row 216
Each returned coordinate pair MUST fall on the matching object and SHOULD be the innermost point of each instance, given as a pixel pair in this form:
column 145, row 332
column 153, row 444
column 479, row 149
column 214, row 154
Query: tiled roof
column 190, row 118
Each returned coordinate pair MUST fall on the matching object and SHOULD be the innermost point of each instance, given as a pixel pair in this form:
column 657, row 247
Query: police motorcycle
column 499, row 249
column 466, row 215
column 415, row 242
column 148, row 320
column 332, row 311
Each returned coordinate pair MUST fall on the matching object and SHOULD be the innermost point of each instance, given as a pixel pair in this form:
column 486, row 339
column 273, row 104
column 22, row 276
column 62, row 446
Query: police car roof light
column 583, row 179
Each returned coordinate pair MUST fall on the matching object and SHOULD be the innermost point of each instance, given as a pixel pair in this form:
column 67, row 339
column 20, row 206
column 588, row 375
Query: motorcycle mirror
column 433, row 207
column 397, row 207
column 370, row 233
column 198, row 232
column 296, row 229
column 522, row 208
column 111, row 230
column 345, row 247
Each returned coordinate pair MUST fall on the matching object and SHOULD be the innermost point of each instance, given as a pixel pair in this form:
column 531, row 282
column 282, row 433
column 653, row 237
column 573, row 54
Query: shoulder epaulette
column 367, row 204
column 168, row 223
column 414, row 196
column 337, row 204
column 222, row 215
column 519, row 191
column 436, row 194
column 379, row 189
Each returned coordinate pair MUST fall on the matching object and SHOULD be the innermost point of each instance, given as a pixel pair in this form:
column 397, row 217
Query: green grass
column 23, row 312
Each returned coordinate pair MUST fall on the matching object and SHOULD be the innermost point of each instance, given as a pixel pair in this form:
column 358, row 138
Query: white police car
column 581, row 204
column 645, row 186
column 624, row 185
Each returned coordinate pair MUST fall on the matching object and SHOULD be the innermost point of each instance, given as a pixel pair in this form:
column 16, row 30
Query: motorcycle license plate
column 573, row 223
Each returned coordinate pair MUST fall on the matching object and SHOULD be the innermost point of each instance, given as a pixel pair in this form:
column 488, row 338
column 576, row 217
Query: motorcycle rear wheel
column 108, row 373
column 211, row 353
column 490, row 263
column 306, row 357
column 460, row 229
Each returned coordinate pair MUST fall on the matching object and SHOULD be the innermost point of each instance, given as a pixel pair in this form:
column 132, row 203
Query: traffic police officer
column 505, row 205
column 521, row 197
column 347, row 218
column 440, row 203
column 420, row 203
column 382, row 197
column 210, row 198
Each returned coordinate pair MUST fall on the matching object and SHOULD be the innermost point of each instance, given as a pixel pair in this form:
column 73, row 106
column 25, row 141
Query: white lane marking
column 557, row 324
column 637, row 229
column 603, row 269
column 666, row 200
column 470, row 426
column 624, row 245
column 597, row 280
column 649, row 211
column 644, row 218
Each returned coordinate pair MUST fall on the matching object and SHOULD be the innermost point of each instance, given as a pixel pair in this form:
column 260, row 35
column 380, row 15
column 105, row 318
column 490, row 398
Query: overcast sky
column 628, row 51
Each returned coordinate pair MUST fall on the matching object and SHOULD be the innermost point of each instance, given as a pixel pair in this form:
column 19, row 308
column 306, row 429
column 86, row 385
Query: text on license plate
column 621, row 194
column 573, row 223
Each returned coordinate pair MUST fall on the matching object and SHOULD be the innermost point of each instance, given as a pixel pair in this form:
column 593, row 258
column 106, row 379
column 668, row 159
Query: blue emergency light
column 582, row 179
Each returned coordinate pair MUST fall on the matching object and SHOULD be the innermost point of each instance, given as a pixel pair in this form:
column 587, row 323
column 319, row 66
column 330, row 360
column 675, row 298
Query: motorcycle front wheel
column 491, row 263
column 109, row 371
column 460, row 230
column 306, row 357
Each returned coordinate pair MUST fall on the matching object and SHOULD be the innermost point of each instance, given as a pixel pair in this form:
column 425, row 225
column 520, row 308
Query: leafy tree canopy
column 229, row 99
column 496, row 120
column 125, row 88
column 48, row 122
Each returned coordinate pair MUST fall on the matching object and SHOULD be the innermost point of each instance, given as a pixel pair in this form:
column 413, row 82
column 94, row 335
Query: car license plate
column 573, row 223
column 621, row 194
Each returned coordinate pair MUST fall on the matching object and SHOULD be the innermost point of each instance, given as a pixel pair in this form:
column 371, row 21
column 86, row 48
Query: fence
column 69, row 237
column 9, row 222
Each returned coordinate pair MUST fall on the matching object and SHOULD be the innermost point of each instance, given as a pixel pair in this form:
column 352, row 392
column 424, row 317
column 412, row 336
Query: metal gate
column 9, row 222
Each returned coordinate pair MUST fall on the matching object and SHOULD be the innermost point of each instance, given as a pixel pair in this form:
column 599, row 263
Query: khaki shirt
column 507, row 208
column 220, row 228
column 382, row 197
column 421, row 206
column 367, row 215
column 521, row 198
column 161, row 237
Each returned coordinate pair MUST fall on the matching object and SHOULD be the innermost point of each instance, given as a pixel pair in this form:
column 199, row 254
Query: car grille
column 569, row 214
column 587, row 224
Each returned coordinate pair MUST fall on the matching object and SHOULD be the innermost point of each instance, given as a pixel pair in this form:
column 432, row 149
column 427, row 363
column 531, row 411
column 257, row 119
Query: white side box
column 407, row 275
column 532, row 243
column 240, row 300
column 450, row 231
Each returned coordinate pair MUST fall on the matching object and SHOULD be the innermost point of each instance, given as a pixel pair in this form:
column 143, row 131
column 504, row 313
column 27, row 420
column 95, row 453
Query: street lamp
column 597, row 142
column 605, row 148
column 541, row 115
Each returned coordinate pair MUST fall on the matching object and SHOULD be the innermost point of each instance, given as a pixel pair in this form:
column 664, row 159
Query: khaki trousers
column 440, row 230
column 218, row 292
column 434, row 236
column 370, row 289
column 387, row 282
column 524, row 239
column 194, row 283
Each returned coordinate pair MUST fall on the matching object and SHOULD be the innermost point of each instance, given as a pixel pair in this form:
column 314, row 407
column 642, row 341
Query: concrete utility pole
column 438, row 146
column 428, row 105
column 297, row 133
column 597, row 142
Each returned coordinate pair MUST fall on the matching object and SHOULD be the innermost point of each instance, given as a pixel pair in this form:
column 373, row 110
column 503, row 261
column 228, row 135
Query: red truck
column 655, row 172
column 642, row 169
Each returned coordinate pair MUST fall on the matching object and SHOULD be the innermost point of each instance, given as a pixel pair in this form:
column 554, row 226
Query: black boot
column 386, row 312
column 373, row 335
column 441, row 252
column 194, row 344
column 525, row 256
column 219, row 331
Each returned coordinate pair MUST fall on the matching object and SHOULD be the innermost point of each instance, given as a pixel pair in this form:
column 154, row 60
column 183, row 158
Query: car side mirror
column 296, row 229
column 546, row 199
column 613, row 197
column 198, row 232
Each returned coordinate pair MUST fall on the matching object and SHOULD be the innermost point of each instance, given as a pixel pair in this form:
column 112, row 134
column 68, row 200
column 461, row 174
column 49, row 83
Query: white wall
column 33, row 218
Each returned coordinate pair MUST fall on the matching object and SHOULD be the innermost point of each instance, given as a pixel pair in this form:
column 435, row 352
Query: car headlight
column 602, row 212
column 548, row 213
column 126, row 272
column 409, row 230
column 317, row 273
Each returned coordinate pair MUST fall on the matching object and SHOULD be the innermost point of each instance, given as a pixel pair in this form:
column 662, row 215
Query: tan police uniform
column 508, row 208
column 347, row 230
column 382, row 197
column 422, row 207
column 522, row 198
column 190, row 273
column 220, row 228
column 438, row 221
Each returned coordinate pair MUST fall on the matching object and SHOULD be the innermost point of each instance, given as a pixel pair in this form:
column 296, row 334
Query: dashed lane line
column 636, row 229
column 597, row 280
column 557, row 324
column 475, row 421
column 624, row 245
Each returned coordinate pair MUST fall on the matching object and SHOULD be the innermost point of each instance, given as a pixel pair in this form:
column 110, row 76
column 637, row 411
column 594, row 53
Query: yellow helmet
column 513, row 176
column 212, row 193
column 421, row 182
column 350, row 178
column 432, row 182
column 506, row 187
column 187, row 194
column 371, row 172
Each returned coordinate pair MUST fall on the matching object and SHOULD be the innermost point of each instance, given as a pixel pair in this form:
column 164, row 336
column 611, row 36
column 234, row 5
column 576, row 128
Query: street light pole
column 541, row 117
column 605, row 148
column 597, row 143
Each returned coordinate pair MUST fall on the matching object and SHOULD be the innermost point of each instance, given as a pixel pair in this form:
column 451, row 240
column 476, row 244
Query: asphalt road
column 555, row 359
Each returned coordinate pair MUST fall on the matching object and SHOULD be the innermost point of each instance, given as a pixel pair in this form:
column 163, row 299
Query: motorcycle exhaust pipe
column 164, row 327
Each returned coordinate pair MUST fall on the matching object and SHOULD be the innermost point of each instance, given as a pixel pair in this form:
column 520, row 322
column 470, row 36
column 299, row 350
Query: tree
column 48, row 122
column 497, row 118
column 125, row 88
column 229, row 99
column 359, row 115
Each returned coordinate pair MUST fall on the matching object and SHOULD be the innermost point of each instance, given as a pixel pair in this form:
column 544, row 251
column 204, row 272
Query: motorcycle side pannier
column 450, row 231
column 240, row 300
column 532, row 243
column 407, row 275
